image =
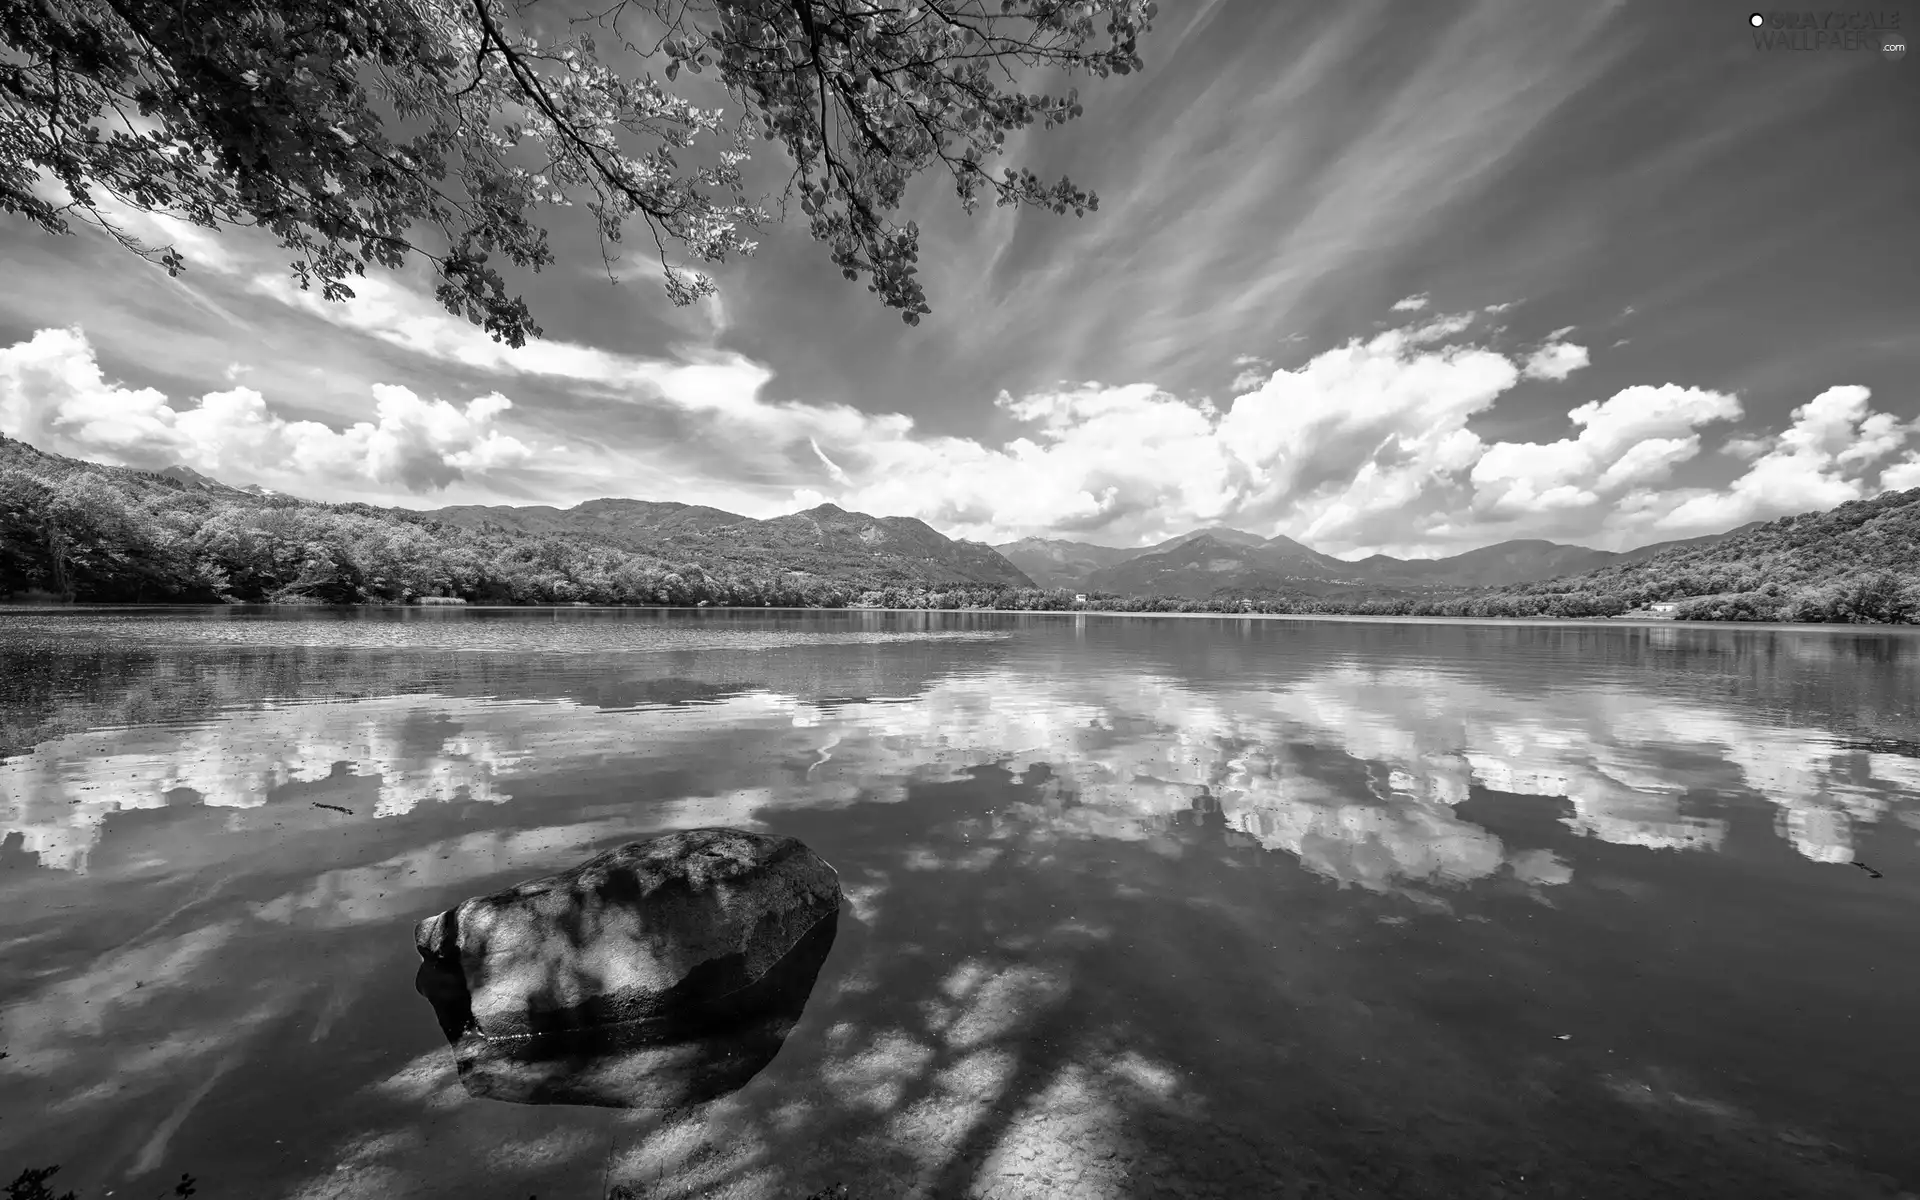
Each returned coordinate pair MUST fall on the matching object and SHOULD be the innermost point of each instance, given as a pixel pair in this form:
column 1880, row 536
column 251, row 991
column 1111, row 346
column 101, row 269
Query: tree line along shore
column 115, row 536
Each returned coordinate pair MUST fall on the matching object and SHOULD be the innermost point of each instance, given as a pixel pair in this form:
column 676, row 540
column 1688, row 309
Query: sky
column 1382, row 278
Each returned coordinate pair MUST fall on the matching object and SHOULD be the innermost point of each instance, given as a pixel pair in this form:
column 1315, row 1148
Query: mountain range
column 826, row 540
column 829, row 543
column 1220, row 559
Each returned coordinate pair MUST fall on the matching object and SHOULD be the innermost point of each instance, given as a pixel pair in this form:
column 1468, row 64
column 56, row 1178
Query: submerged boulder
column 668, row 937
column 630, row 1065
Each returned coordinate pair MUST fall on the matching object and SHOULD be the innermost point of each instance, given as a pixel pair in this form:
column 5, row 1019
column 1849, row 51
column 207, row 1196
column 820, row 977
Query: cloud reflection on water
column 221, row 917
column 1355, row 772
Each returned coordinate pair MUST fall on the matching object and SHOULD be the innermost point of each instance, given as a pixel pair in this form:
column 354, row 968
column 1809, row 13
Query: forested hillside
column 1200, row 564
column 70, row 529
column 1857, row 562
column 82, row 531
column 825, row 540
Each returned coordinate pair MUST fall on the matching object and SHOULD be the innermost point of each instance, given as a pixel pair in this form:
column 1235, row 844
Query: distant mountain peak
column 195, row 479
column 825, row 540
column 1199, row 563
column 1207, row 537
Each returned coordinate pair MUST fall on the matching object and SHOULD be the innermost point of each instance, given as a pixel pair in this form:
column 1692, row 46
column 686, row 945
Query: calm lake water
column 1135, row 907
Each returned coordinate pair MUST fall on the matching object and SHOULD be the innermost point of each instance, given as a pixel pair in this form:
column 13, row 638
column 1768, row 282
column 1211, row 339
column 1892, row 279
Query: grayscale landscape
column 958, row 600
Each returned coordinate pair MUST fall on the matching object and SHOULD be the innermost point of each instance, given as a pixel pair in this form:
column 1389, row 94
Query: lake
column 1134, row 907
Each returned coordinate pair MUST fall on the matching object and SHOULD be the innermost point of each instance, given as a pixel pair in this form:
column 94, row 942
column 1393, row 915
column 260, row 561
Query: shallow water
column 1135, row 907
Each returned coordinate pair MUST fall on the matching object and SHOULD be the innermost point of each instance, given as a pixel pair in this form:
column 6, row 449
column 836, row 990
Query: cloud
column 1334, row 447
column 833, row 468
column 718, row 388
column 1816, row 463
column 696, row 421
column 1254, row 371
column 1902, row 475
column 1413, row 303
column 1637, row 436
column 1499, row 308
column 1556, row 359
column 699, row 380
column 714, row 398
column 1439, row 329
column 53, row 394
column 1365, row 447
column 1359, row 188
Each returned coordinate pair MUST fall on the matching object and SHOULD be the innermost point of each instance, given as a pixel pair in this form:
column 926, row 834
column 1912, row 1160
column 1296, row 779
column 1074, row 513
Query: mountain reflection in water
column 1417, row 909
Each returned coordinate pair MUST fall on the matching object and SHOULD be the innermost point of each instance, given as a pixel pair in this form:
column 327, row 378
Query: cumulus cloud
column 1365, row 447
column 1635, row 437
column 1413, row 303
column 1292, row 447
column 1556, row 359
column 54, row 395
column 1253, row 372
column 715, row 396
column 1818, row 462
column 1902, row 475
column 1331, row 445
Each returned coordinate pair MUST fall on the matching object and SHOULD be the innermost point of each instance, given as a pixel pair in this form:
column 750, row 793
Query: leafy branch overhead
column 371, row 131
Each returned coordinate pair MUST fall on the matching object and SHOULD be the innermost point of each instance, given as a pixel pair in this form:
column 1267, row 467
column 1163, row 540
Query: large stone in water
column 630, row 1066
column 666, row 937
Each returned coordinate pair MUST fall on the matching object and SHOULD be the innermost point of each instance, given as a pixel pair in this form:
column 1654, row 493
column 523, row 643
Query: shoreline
column 1359, row 618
